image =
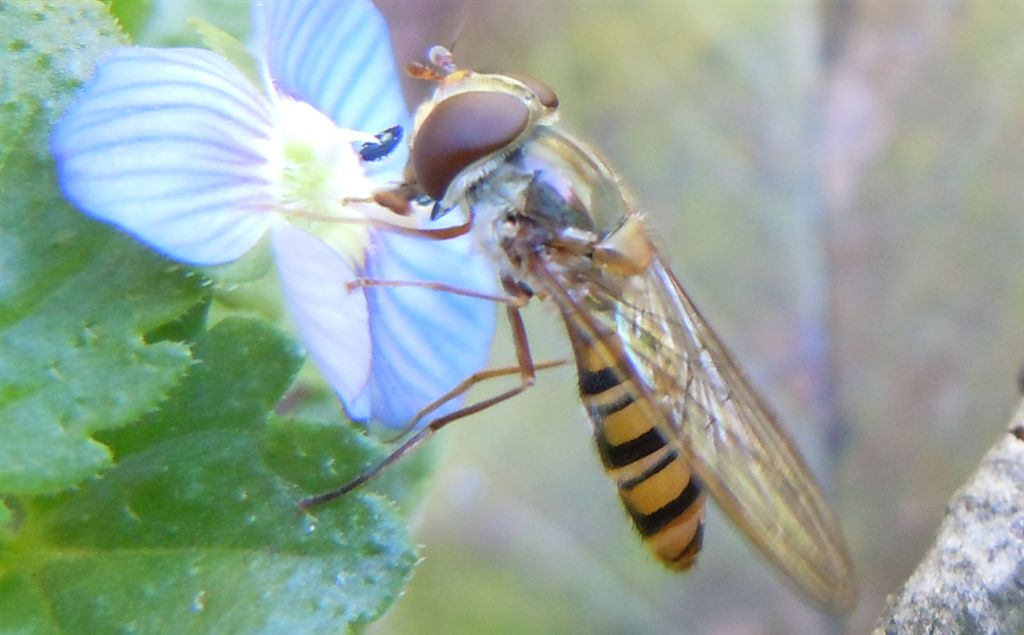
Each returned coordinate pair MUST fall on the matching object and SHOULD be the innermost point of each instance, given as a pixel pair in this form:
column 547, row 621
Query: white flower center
column 320, row 176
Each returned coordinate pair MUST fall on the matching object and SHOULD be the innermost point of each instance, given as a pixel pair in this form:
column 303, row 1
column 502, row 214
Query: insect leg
column 443, row 233
column 515, row 301
column 517, row 298
column 527, row 371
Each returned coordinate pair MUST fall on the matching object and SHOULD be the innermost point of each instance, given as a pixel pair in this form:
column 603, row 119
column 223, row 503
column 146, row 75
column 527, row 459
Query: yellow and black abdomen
column 657, row 487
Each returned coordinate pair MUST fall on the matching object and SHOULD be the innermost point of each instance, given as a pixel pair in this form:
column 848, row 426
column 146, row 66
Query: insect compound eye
column 462, row 129
column 545, row 94
column 387, row 141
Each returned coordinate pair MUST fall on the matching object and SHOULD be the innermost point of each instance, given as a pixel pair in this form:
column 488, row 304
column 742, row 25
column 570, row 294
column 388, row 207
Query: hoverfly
column 673, row 415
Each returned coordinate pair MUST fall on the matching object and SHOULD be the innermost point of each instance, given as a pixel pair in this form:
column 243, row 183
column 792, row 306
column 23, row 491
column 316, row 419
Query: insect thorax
column 550, row 196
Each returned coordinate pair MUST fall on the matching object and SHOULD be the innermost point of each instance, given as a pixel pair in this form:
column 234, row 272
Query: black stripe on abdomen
column 663, row 462
column 690, row 551
column 600, row 412
column 616, row 456
column 598, row 381
column 650, row 524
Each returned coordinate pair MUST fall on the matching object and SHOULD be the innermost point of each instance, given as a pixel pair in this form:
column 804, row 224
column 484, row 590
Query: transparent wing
column 705, row 407
column 731, row 438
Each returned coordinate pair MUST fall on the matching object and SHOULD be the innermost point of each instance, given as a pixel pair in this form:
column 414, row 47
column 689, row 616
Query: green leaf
column 196, row 528
column 48, row 49
column 131, row 14
column 239, row 375
column 21, row 605
column 77, row 296
column 193, row 525
column 186, row 326
column 168, row 25
column 229, row 47
column 5, row 517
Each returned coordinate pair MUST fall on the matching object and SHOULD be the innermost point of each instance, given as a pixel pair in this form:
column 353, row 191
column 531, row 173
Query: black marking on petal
column 387, row 141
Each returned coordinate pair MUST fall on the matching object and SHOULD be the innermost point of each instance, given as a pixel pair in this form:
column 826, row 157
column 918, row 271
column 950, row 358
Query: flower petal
column 170, row 145
column 331, row 320
column 337, row 56
column 424, row 341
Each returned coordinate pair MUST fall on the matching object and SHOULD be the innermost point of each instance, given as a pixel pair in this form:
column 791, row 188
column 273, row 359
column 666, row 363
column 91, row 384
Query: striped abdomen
column 660, row 493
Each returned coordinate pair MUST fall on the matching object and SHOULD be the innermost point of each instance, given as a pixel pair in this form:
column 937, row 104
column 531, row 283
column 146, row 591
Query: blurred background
column 841, row 187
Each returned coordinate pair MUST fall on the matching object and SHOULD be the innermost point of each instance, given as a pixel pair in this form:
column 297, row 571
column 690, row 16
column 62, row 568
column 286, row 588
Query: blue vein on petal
column 203, row 142
column 370, row 104
column 317, row 72
column 226, row 230
column 236, row 206
column 306, row 74
column 101, row 116
column 241, row 104
column 175, row 190
column 241, row 95
column 409, row 305
column 361, row 70
column 299, row 25
column 225, row 178
column 106, row 118
column 253, row 202
column 357, row 76
column 187, row 59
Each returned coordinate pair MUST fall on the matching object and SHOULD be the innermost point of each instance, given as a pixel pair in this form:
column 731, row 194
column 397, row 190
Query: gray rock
column 972, row 578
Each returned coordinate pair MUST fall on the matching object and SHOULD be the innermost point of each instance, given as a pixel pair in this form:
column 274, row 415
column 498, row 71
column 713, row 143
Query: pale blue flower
column 180, row 149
